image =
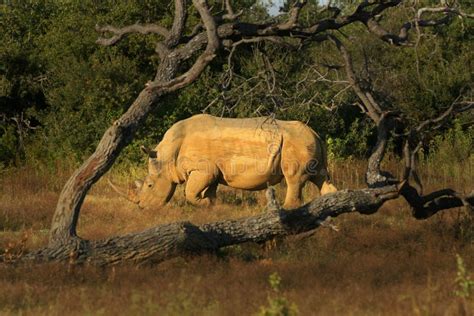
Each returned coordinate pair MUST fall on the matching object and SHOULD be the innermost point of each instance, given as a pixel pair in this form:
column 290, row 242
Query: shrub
column 278, row 305
column 465, row 285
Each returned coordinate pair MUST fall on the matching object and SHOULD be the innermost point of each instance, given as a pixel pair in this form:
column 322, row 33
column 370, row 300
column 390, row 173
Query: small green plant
column 465, row 285
column 275, row 281
column 278, row 305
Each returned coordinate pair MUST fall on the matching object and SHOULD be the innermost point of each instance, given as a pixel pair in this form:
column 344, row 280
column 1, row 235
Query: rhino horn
column 151, row 153
column 131, row 195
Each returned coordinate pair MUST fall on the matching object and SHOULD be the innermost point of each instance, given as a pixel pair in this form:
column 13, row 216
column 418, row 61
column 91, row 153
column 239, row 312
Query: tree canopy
column 59, row 90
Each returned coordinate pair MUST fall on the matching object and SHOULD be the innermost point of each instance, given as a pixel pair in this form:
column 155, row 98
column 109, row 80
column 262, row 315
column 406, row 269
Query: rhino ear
column 149, row 152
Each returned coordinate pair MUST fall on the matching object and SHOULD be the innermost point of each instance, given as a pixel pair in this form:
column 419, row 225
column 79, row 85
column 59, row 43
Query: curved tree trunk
column 120, row 134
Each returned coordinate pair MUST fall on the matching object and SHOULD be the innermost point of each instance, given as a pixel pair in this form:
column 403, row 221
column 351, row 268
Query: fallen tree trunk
column 183, row 238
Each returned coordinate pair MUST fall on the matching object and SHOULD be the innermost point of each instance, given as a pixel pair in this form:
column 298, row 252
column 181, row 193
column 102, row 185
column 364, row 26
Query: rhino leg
column 295, row 177
column 200, row 188
column 211, row 192
column 324, row 184
column 293, row 197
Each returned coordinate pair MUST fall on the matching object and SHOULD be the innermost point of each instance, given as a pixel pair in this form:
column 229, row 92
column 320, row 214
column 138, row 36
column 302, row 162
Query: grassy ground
column 387, row 263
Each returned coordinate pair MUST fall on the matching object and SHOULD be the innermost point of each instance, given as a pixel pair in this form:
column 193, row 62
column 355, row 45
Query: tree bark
column 120, row 134
column 177, row 239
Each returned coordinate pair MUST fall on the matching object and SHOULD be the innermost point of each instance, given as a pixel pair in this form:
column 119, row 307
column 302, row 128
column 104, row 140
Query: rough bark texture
column 177, row 239
column 374, row 177
column 120, row 134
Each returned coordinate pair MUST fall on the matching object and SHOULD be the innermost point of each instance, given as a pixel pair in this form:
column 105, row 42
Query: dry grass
column 387, row 263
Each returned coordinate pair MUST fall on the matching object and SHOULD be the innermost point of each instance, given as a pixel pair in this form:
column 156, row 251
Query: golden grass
column 387, row 263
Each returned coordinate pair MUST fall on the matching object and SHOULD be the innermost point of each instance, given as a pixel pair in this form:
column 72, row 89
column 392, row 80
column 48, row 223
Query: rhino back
column 245, row 152
column 234, row 146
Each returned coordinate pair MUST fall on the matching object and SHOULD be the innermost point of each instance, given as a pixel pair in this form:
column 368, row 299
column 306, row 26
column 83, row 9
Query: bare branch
column 183, row 238
column 445, row 10
column 426, row 206
column 242, row 30
column 120, row 33
column 410, row 163
column 271, row 71
column 179, row 22
column 360, row 14
column 373, row 109
column 230, row 15
column 202, row 61
column 452, row 110
column 374, row 176
column 402, row 38
column 293, row 15
column 273, row 39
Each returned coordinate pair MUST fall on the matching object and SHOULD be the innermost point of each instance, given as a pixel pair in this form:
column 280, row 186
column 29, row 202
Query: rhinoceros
column 204, row 151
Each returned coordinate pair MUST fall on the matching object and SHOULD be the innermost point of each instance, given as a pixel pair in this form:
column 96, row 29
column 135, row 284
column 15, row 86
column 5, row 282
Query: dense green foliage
column 55, row 77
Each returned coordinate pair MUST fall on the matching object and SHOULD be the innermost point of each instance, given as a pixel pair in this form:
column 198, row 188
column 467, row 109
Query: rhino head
column 155, row 190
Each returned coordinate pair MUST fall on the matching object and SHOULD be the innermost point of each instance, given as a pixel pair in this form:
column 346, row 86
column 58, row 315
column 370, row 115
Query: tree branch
column 202, row 61
column 410, row 162
column 452, row 110
column 293, row 16
column 179, row 23
column 402, row 38
column 426, row 206
column 230, row 14
column 446, row 10
column 373, row 109
column 120, row 33
column 374, row 176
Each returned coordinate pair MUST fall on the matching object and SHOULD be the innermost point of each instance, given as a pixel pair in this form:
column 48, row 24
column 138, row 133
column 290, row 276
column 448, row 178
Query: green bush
column 454, row 146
